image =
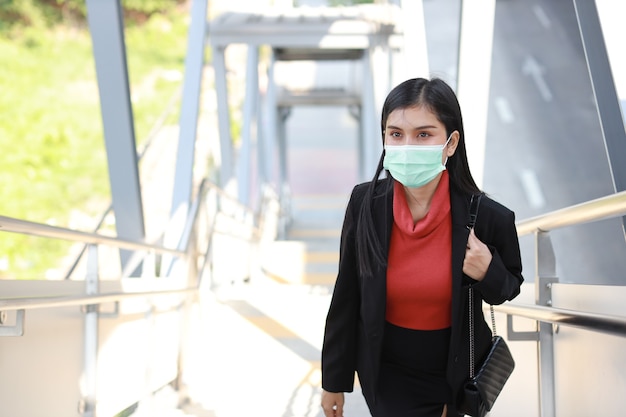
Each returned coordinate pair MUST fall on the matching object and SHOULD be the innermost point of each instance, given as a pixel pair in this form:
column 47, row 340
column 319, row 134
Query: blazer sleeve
column 497, row 230
column 340, row 335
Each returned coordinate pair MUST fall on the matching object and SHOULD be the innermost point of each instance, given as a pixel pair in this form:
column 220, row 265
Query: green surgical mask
column 414, row 165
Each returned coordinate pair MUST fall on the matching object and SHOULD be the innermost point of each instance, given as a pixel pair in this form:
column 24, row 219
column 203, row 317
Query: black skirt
column 412, row 380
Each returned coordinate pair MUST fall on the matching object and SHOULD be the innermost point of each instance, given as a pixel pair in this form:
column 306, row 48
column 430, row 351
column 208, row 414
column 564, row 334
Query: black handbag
column 482, row 388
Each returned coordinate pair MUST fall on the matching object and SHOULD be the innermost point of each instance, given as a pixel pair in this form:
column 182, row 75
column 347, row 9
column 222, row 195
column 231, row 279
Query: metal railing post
column 185, row 318
column 87, row 406
column 545, row 277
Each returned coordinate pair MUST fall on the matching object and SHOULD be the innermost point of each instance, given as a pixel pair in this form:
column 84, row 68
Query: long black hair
column 438, row 97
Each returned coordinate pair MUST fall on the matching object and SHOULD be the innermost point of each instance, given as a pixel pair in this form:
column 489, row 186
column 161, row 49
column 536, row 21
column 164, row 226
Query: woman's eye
column 423, row 135
column 395, row 134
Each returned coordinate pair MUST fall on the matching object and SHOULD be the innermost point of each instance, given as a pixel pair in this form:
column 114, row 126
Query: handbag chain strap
column 471, row 332
column 472, row 357
column 474, row 204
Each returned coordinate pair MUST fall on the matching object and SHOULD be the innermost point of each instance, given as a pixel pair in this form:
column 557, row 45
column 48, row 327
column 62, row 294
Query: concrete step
column 299, row 262
column 310, row 253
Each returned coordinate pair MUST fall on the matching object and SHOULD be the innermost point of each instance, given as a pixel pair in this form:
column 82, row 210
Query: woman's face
column 418, row 126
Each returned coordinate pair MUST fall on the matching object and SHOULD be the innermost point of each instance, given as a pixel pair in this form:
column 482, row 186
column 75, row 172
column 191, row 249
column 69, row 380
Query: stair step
column 291, row 261
column 313, row 233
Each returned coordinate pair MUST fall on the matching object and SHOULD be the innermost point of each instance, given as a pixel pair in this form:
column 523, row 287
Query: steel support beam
column 244, row 159
column 371, row 143
column 283, row 158
column 190, row 108
column 415, row 45
column 270, row 123
column 188, row 124
column 607, row 101
column 223, row 115
column 107, row 32
column 474, row 75
column 284, row 188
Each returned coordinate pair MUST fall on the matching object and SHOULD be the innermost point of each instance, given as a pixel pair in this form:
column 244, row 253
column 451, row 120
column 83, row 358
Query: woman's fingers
column 332, row 403
column 477, row 258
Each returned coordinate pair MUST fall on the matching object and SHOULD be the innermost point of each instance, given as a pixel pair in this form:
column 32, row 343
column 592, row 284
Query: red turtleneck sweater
column 419, row 273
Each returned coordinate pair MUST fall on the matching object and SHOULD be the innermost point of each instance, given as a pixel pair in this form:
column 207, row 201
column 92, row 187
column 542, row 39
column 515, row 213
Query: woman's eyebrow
column 424, row 127
column 415, row 128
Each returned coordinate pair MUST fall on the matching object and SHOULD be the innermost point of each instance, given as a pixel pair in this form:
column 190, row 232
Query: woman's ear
column 454, row 142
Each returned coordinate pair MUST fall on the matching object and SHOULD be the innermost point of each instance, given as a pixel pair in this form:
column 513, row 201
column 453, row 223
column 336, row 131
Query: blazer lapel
column 383, row 209
column 460, row 214
column 376, row 293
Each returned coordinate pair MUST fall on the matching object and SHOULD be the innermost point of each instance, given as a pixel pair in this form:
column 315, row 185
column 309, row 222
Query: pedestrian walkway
column 260, row 355
column 255, row 346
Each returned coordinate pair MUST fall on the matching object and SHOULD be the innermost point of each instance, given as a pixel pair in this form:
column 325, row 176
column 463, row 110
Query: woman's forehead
column 414, row 117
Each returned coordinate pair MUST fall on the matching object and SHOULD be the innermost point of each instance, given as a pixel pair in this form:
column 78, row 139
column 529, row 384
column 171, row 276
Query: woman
column 398, row 315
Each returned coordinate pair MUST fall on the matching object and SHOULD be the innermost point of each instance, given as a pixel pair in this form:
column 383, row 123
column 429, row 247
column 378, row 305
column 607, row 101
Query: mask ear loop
column 444, row 146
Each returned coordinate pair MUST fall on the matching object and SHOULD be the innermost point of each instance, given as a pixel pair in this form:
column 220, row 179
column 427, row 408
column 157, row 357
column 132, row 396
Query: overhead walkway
column 357, row 42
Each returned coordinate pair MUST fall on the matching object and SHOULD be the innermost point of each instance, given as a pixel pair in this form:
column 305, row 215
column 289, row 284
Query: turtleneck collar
column 438, row 212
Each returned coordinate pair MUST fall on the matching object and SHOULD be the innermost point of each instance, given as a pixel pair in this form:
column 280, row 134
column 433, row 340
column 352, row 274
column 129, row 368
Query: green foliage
column 24, row 12
column 156, row 59
column 148, row 6
column 39, row 13
column 54, row 162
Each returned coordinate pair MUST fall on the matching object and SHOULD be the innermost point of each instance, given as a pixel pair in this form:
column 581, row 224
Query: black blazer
column 356, row 317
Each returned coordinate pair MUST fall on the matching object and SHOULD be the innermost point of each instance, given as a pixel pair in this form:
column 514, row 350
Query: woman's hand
column 477, row 258
column 332, row 403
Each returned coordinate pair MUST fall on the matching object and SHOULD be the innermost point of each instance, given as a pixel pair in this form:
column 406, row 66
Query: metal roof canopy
column 299, row 34
column 317, row 28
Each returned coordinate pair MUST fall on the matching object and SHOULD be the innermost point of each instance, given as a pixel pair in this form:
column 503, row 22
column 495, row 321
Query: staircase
column 310, row 253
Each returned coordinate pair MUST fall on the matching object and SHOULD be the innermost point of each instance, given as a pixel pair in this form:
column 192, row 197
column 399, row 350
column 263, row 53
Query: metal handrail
column 602, row 208
column 81, row 300
column 604, row 323
column 594, row 210
column 9, row 224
